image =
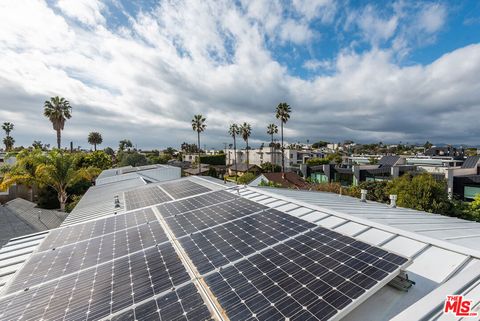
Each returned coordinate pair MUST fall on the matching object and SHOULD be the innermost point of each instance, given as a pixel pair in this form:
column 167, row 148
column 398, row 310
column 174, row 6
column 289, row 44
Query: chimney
column 393, row 201
column 363, row 195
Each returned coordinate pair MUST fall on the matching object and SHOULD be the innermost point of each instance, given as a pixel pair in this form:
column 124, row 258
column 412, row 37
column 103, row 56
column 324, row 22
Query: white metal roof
column 441, row 265
column 438, row 261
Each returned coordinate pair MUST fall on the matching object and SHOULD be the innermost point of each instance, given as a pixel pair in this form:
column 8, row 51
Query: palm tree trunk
column 271, row 153
column 95, row 147
column 235, row 157
column 248, row 161
column 199, row 163
column 283, row 153
column 62, row 198
column 59, row 138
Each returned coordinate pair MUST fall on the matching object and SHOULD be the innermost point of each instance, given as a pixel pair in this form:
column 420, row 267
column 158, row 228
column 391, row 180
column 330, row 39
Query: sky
column 374, row 71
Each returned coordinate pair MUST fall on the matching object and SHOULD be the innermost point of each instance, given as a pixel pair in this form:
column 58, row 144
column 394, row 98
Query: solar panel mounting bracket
column 402, row 282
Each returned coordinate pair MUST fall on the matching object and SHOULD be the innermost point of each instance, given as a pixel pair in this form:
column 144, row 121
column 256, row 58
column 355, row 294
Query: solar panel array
column 311, row 277
column 182, row 304
column 143, row 197
column 218, row 246
column 79, row 232
column 184, row 188
column 260, row 263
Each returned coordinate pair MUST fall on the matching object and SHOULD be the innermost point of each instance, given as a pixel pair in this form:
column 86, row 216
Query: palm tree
column 283, row 113
column 60, row 173
column 7, row 127
column 95, row 138
column 8, row 142
column 246, row 131
column 24, row 170
column 198, row 125
column 58, row 110
column 271, row 130
column 234, row 131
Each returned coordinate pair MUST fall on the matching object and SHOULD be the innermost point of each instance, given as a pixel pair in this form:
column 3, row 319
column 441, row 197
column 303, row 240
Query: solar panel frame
column 76, row 233
column 144, row 197
column 220, row 245
column 102, row 290
column 183, row 303
column 289, row 281
column 207, row 217
column 184, row 188
column 184, row 206
column 48, row 265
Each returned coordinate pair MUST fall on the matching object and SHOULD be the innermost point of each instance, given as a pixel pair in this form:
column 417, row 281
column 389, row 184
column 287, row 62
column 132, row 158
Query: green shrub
column 218, row 159
column 246, row 178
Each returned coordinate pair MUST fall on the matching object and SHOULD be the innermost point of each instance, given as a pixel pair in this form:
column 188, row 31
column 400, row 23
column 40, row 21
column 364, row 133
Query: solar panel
column 314, row 276
column 200, row 219
column 196, row 202
column 99, row 291
column 144, row 197
column 48, row 265
column 184, row 303
column 220, row 245
column 76, row 233
column 182, row 189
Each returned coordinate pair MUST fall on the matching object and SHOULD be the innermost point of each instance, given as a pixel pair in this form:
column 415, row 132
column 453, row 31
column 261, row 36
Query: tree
column 8, row 141
column 246, row 178
column 59, row 172
column 283, row 114
column 315, row 161
column 99, row 159
column 132, row 159
column 170, row 151
column 233, row 131
column 246, row 131
column 109, row 151
column 124, row 143
column 427, row 145
column 95, row 138
column 198, row 125
column 272, row 129
column 269, row 167
column 421, row 192
column 57, row 110
column 24, row 170
column 7, row 127
column 320, row 144
column 37, row 144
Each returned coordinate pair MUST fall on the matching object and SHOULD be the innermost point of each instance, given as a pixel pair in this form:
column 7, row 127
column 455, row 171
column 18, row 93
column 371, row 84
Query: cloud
column 145, row 78
column 85, row 11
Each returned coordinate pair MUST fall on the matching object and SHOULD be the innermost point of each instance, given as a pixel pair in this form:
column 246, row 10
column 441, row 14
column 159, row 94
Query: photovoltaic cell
column 215, row 247
column 190, row 204
column 183, row 304
column 101, row 290
column 79, row 232
column 48, row 265
column 143, row 197
column 311, row 277
column 203, row 218
column 181, row 189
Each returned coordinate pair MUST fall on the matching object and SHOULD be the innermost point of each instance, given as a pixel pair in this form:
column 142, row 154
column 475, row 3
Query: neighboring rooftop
column 288, row 180
column 471, row 162
column 20, row 217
